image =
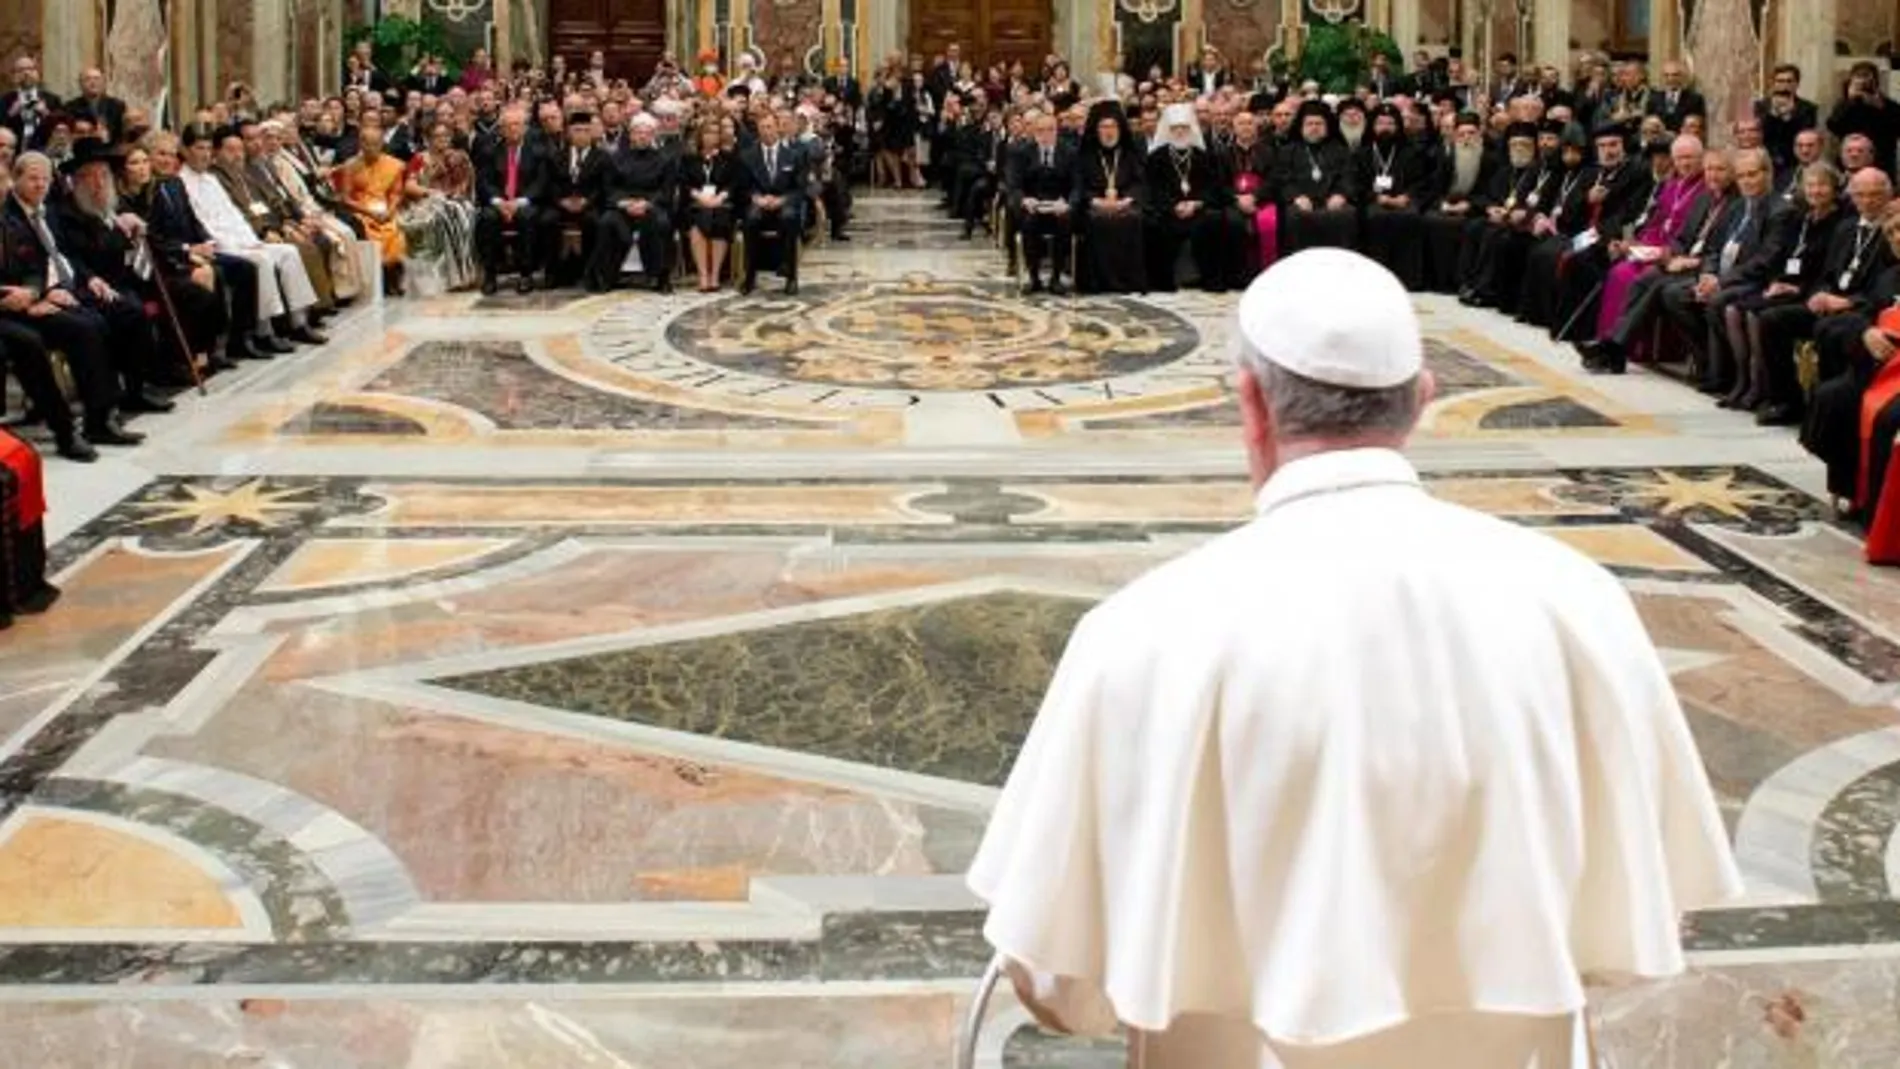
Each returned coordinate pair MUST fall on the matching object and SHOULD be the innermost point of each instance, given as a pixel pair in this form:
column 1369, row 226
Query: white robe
column 1371, row 774
column 282, row 283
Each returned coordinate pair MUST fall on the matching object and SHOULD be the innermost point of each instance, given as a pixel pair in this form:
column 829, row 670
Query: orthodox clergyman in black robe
column 1184, row 202
column 1108, row 200
column 1612, row 199
column 1315, row 183
column 1393, row 180
column 1460, row 194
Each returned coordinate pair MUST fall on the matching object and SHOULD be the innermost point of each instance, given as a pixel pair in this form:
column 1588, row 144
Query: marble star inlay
column 1673, row 494
column 208, row 507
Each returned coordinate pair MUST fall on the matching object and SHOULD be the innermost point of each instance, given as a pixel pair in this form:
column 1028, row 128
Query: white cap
column 1336, row 317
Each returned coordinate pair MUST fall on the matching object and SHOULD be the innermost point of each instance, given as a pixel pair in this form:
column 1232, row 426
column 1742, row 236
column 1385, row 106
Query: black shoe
column 271, row 345
column 112, row 432
column 489, row 285
column 39, row 600
column 664, row 284
column 140, row 401
column 32, row 417
column 524, row 284
column 1058, row 288
column 1035, row 285
column 839, row 235
column 306, row 336
column 219, row 363
column 1778, row 415
column 746, row 287
column 76, row 449
column 791, row 287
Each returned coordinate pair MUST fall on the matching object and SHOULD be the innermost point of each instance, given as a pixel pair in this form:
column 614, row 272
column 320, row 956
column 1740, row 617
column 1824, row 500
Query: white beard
column 1465, row 161
column 1353, row 135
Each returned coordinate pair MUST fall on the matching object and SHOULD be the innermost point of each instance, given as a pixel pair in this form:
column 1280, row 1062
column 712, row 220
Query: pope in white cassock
column 1373, row 781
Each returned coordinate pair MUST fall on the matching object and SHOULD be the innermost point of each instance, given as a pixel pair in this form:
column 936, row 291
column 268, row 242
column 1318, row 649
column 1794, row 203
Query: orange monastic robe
column 374, row 192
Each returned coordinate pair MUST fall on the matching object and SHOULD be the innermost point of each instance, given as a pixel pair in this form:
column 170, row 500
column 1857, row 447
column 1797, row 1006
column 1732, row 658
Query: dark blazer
column 592, row 181
column 1876, row 256
column 1025, row 176
column 16, row 120
column 1688, row 102
column 1701, row 233
column 1295, row 176
column 1409, row 170
column 1391, row 84
column 25, row 260
column 96, row 248
column 108, row 110
column 491, row 176
column 430, row 84
column 1789, row 231
column 787, row 181
column 170, row 224
column 1777, row 133
column 1749, row 225
column 723, row 173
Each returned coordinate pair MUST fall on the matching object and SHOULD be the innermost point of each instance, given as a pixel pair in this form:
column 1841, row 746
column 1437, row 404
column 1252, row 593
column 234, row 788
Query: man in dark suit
column 108, row 110
column 844, row 85
column 429, row 79
column 577, row 186
column 1041, row 176
column 1784, row 114
column 1386, row 84
column 44, row 289
column 1675, row 99
column 1211, row 75
column 775, row 182
column 508, row 186
column 360, row 71
column 27, row 108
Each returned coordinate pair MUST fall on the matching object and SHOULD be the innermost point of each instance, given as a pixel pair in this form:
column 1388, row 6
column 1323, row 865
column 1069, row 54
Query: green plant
column 1339, row 56
column 399, row 43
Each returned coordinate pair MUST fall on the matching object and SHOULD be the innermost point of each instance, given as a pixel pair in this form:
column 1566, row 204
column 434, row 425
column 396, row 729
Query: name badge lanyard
column 1383, row 183
column 1708, row 224
column 1800, row 246
column 1863, row 236
column 1318, row 174
column 1563, row 194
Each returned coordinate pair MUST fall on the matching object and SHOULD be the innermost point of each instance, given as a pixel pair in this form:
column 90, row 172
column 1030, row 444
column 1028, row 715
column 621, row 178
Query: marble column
column 882, row 29
column 1188, row 36
column 504, row 34
column 1665, row 33
column 270, row 52
column 1079, row 41
column 1805, row 38
column 69, row 43
column 1550, row 35
column 1405, row 22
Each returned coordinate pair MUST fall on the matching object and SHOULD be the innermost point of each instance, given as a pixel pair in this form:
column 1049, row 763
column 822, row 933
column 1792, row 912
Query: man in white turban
column 1317, row 796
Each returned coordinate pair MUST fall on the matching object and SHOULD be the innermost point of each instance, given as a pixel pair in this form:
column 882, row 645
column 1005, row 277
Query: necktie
column 771, row 162
column 62, row 271
column 1048, row 158
column 574, row 165
column 512, row 184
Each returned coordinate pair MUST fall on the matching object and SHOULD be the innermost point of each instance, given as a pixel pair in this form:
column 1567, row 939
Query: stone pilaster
column 1550, row 34
column 1665, row 33
column 1805, row 38
column 1405, row 23
column 270, row 52
column 70, row 40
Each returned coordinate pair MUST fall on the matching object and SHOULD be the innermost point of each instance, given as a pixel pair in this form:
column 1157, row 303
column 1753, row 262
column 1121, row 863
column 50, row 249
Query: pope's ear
column 1427, row 389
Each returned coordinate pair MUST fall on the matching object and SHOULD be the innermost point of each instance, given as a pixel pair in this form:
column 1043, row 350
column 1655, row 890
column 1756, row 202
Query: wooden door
column 631, row 32
column 988, row 31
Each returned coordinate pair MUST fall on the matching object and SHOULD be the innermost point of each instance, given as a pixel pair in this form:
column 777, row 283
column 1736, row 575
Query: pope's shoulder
column 1259, row 575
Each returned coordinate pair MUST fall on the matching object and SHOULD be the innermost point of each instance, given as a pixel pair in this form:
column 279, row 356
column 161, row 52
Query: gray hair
column 28, row 160
column 1825, row 170
column 1307, row 408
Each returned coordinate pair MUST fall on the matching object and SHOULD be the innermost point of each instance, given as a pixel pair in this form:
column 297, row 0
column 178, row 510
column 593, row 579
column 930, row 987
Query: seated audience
column 710, row 188
column 438, row 215
column 373, row 185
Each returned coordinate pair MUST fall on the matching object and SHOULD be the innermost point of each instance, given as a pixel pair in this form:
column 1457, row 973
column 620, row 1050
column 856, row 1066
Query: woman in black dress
column 1108, row 203
column 709, row 187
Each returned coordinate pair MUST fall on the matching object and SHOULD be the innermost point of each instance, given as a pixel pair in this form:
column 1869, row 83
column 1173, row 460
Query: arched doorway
column 987, row 31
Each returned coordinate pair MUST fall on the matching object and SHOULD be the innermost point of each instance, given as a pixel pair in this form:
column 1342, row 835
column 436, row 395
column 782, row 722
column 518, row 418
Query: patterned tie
column 62, row 271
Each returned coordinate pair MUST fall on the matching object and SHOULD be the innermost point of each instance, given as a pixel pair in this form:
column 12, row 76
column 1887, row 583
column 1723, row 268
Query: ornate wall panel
column 1435, row 26
column 19, row 30
column 1866, row 24
column 1590, row 24
column 1242, row 29
column 789, row 28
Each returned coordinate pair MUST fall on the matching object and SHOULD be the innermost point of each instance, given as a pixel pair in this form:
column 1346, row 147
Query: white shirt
column 1371, row 765
column 213, row 207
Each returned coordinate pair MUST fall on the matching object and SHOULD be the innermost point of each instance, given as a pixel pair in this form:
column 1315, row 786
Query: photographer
column 1864, row 109
column 26, row 109
column 1784, row 114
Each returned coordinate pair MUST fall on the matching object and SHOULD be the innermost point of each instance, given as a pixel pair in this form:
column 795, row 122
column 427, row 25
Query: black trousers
column 786, row 221
column 549, row 223
column 131, row 344
column 491, row 238
column 1201, row 232
column 82, row 334
column 23, row 352
column 240, row 284
column 616, row 232
column 1045, row 234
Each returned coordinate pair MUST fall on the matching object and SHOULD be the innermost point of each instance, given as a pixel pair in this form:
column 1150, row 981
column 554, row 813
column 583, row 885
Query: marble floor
column 620, row 681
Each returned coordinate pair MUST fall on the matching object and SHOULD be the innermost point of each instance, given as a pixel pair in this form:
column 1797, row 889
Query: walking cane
column 1595, row 292
column 979, row 1008
column 171, row 315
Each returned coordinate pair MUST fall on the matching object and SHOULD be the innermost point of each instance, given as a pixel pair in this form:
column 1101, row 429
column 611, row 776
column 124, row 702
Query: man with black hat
column 1455, row 220
column 1613, row 203
column 1315, row 184
column 105, row 250
column 580, row 173
column 1394, row 181
column 43, row 289
column 1594, row 198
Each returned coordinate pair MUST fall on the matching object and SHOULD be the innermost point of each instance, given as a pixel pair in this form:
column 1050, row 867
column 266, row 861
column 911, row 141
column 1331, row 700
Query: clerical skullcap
column 1335, row 317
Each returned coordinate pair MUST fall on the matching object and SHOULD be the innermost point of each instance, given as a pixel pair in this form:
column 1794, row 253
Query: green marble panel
column 946, row 689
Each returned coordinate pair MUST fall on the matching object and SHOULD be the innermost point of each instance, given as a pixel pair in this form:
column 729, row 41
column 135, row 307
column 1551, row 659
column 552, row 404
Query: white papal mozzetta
column 1374, row 780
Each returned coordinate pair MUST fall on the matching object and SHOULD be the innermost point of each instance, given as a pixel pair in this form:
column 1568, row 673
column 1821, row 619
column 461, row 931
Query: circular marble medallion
column 921, row 333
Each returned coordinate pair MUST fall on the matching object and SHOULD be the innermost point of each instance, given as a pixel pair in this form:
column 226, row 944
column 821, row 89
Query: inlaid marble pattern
column 570, row 680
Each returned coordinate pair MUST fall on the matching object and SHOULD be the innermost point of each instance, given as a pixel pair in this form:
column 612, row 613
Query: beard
column 104, row 206
column 1465, row 162
column 1353, row 133
column 1523, row 157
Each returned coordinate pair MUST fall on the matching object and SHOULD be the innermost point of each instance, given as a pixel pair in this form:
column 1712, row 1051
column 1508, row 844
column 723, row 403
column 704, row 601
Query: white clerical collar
column 1335, row 470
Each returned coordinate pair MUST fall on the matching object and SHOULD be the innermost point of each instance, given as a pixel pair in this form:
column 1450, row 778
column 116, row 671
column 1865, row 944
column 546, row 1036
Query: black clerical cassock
column 1456, row 217
column 1315, row 183
column 641, row 188
column 1184, row 205
column 1572, row 218
column 1613, row 200
column 1107, row 205
column 1833, row 429
column 1393, row 178
column 1524, row 195
column 1251, row 207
